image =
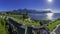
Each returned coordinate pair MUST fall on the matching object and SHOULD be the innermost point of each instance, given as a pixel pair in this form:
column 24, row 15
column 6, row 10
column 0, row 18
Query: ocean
column 44, row 16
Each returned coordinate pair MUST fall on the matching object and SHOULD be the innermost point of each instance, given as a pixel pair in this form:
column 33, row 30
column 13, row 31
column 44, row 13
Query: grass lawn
column 2, row 27
column 2, row 30
column 26, row 22
column 18, row 19
column 53, row 25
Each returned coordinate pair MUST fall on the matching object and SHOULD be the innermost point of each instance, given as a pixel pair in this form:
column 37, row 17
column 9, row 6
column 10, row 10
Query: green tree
column 25, row 16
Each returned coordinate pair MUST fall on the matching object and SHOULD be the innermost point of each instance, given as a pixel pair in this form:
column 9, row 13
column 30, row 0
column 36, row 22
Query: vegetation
column 25, row 16
column 27, row 22
column 5, row 27
column 3, row 30
column 19, row 19
column 24, row 19
column 53, row 25
column 50, row 26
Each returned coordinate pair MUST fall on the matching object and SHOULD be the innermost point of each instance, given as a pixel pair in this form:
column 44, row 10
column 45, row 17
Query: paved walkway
column 55, row 30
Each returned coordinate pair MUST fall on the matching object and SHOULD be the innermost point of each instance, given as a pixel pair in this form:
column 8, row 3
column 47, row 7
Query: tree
column 25, row 16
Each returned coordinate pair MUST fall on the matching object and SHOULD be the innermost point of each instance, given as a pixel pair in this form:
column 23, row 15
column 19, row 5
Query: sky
column 54, row 5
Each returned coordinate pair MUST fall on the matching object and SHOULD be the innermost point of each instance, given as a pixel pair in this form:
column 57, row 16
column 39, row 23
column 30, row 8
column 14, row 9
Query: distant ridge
column 29, row 11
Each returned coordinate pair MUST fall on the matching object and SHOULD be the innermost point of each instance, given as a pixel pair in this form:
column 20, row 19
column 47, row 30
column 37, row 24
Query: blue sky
column 29, row 4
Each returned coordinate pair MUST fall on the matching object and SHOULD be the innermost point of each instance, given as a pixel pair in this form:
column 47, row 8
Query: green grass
column 2, row 26
column 53, row 25
column 2, row 30
column 26, row 22
column 18, row 18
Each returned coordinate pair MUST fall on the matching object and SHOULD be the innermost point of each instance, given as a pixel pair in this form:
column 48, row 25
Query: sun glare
column 49, row 16
column 49, row 0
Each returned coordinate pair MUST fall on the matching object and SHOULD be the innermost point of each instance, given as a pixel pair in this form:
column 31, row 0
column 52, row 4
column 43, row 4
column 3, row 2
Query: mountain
column 24, row 11
column 31, row 11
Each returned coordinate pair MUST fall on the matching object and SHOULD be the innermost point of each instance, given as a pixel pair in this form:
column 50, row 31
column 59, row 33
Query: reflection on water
column 45, row 16
column 49, row 16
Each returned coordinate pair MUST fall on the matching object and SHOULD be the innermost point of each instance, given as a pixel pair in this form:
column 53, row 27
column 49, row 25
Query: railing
column 23, row 29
